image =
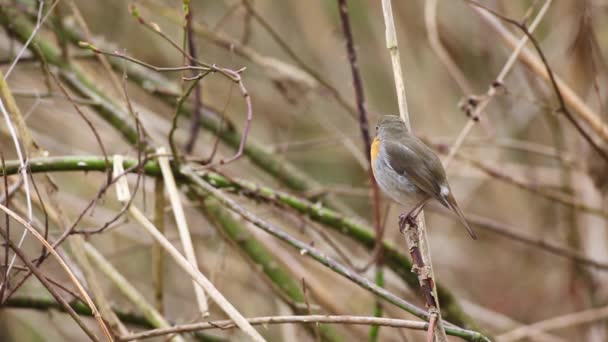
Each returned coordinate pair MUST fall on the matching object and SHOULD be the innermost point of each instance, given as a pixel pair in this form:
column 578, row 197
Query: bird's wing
column 407, row 160
column 411, row 158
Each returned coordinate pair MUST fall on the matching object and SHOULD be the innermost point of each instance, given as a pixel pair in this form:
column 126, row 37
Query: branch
column 351, row 228
column 62, row 263
column 314, row 253
column 309, row 319
column 558, row 86
column 45, row 304
column 49, row 287
column 416, row 235
column 475, row 108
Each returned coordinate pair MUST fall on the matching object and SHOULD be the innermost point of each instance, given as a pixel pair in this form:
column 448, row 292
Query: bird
column 409, row 171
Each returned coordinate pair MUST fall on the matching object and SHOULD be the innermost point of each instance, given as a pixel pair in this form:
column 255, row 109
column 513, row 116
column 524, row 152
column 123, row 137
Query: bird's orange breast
column 375, row 149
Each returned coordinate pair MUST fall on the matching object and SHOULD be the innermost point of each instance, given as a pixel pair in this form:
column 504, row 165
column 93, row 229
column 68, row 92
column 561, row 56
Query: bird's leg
column 410, row 218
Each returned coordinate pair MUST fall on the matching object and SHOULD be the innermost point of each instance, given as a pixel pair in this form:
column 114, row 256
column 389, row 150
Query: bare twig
column 50, row 288
column 565, row 95
column 494, row 87
column 84, row 117
column 556, row 88
column 39, row 21
column 11, row 113
column 430, row 19
column 7, row 224
column 178, row 107
column 158, row 256
column 311, row 319
column 73, row 278
column 197, row 109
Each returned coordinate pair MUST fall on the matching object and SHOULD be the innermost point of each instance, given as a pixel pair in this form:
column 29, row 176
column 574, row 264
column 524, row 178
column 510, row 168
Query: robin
column 409, row 171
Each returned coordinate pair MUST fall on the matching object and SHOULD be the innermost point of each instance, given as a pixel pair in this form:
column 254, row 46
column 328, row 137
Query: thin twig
column 158, row 255
column 479, row 106
column 39, row 21
column 197, row 109
column 564, row 94
column 50, row 248
column 310, row 319
column 7, row 223
column 49, row 287
column 7, row 104
column 560, row 98
column 178, row 108
column 430, row 20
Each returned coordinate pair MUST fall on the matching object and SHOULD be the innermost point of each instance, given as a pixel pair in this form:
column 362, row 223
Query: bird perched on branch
column 409, row 171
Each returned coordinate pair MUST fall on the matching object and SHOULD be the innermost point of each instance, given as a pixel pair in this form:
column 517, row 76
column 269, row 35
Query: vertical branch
column 158, row 262
column 363, row 117
column 393, row 49
column 415, row 235
column 11, row 113
column 364, row 126
column 7, row 222
column 198, row 101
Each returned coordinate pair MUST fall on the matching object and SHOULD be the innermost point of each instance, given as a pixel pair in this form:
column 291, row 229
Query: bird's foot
column 406, row 220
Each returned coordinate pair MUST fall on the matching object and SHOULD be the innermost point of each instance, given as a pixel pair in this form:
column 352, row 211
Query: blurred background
column 533, row 188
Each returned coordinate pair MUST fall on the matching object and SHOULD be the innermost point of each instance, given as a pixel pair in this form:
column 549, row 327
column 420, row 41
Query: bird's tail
column 451, row 202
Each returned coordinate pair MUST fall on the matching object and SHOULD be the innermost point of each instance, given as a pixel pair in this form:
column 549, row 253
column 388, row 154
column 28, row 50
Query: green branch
column 363, row 235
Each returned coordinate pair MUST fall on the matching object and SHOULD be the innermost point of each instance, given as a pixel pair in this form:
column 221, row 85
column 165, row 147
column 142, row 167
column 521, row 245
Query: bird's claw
column 406, row 220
